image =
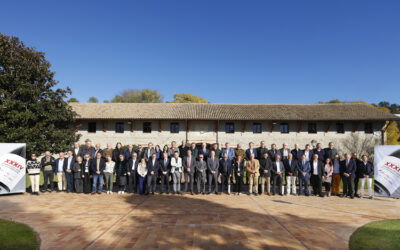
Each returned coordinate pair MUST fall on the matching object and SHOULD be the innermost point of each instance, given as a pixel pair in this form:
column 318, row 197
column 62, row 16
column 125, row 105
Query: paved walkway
column 77, row 221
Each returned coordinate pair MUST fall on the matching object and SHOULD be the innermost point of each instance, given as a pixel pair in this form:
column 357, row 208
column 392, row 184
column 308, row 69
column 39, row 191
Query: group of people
column 86, row 169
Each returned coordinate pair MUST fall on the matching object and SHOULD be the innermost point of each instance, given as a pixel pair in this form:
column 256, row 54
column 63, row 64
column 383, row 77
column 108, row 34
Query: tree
column 33, row 110
column 93, row 99
column 187, row 98
column 73, row 99
column 139, row 96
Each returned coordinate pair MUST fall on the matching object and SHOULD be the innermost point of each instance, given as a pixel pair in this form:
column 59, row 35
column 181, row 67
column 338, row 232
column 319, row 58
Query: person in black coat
column 152, row 173
column 317, row 171
column 277, row 170
column 225, row 171
column 348, row 173
column 367, row 173
column 117, row 152
column 359, row 173
column 77, row 170
column 265, row 172
column 238, row 168
column 291, row 167
column 133, row 163
column 121, row 170
column 86, row 174
column 165, row 170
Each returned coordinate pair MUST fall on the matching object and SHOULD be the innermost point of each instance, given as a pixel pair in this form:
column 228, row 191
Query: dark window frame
column 368, row 128
column 117, row 127
column 173, row 126
column 340, row 130
column 147, row 127
column 283, row 124
column 315, row 128
column 90, row 129
column 257, row 128
column 231, row 128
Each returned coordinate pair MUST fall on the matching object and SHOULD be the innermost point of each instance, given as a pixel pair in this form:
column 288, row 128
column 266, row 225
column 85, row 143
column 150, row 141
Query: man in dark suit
column 189, row 168
column 320, row 152
column 277, row 170
column 238, row 168
column 194, row 151
column 201, row 174
column 164, row 170
column 297, row 152
column 88, row 149
column 68, row 164
column 149, row 151
column 152, row 173
column 273, row 152
column 183, row 148
column 304, row 175
column 359, row 173
column 212, row 167
column 77, row 150
column 265, row 173
column 317, row 171
column 204, row 151
column 97, row 149
column 308, row 153
column 291, row 167
column 225, row 171
column 128, row 152
column 251, row 150
column 261, row 150
column 97, row 166
column 284, row 152
column 348, row 172
column 133, row 163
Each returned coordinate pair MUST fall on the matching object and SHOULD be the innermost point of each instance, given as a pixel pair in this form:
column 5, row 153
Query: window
column 119, row 127
column 146, row 127
column 174, row 127
column 368, row 128
column 229, row 128
column 257, row 128
column 339, row 128
column 312, row 128
column 284, row 128
column 92, row 127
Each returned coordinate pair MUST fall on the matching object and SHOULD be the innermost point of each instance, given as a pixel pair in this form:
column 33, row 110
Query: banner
column 12, row 168
column 387, row 171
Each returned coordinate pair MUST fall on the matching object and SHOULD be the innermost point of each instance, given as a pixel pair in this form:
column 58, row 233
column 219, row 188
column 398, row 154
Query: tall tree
column 93, row 99
column 33, row 110
column 139, row 96
column 73, row 99
column 187, row 98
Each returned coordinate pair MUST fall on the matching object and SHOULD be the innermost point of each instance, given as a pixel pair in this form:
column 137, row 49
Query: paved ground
column 76, row 221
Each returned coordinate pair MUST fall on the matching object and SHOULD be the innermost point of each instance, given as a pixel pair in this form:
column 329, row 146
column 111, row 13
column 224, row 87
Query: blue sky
column 225, row 51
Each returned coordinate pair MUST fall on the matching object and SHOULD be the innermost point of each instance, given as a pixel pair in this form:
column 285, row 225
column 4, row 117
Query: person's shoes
column 152, row 193
column 92, row 192
column 122, row 192
column 99, row 192
column 357, row 196
column 273, row 194
column 361, row 197
column 37, row 193
column 342, row 196
column 248, row 193
column 208, row 193
column 256, row 194
column 173, row 193
column 281, row 194
column 161, row 192
column 262, row 193
column 181, row 193
column 371, row 197
column 191, row 193
column 352, row 197
column 119, row 192
column 229, row 193
column 269, row 193
column 307, row 195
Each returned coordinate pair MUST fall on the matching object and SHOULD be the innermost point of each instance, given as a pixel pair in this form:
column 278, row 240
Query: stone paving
column 78, row 221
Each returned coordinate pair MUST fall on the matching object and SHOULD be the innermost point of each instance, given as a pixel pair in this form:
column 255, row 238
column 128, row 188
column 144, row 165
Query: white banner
column 12, row 168
column 387, row 171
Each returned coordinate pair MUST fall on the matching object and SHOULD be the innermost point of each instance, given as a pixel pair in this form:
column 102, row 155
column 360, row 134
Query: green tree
column 139, row 96
column 93, row 99
column 187, row 98
column 33, row 110
column 73, row 99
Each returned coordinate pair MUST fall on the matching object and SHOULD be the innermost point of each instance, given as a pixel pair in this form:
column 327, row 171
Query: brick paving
column 78, row 221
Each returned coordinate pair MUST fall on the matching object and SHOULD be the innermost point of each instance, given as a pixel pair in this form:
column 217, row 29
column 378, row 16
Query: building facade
column 161, row 123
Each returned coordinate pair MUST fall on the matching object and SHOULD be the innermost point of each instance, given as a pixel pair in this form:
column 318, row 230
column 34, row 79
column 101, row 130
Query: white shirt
column 153, row 162
column 133, row 163
column 109, row 167
column 307, row 153
column 76, row 151
column 285, row 152
column 315, row 170
column 278, row 166
column 69, row 163
column 60, row 165
column 176, row 163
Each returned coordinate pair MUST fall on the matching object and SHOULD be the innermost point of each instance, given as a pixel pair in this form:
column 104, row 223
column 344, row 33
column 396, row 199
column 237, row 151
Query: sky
column 249, row 51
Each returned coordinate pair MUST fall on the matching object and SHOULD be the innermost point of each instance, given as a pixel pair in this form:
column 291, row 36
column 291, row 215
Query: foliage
column 73, row 99
column 93, row 99
column 187, row 98
column 377, row 235
column 139, row 96
column 15, row 235
column 33, row 110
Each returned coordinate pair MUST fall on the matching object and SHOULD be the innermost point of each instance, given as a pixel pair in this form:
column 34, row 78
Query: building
column 161, row 123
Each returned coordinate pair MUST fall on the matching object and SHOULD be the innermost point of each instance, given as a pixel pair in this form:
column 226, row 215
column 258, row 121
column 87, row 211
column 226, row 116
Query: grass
column 383, row 234
column 15, row 235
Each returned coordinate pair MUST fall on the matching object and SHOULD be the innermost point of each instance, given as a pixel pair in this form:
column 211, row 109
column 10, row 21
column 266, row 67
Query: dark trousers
column 327, row 186
column 201, row 183
column 316, row 183
column 277, row 182
column 151, row 183
column 141, row 184
column 212, row 177
column 348, row 186
column 87, row 186
column 132, row 183
column 70, row 181
column 187, row 177
column 356, row 180
column 238, row 185
column 224, row 179
column 48, row 175
column 303, row 181
column 164, row 181
column 78, row 185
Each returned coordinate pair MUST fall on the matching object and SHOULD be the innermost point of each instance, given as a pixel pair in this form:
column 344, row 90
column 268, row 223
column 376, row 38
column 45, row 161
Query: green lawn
column 15, row 235
column 377, row 235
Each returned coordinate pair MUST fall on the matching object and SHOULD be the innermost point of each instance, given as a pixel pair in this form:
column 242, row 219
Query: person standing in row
column 277, row 170
column 304, row 175
column 77, row 174
column 291, row 167
column 86, row 174
column 251, row 150
column 77, row 151
column 142, row 172
column 149, row 151
column 261, row 150
column 212, row 166
column 109, row 173
column 165, row 171
column 88, row 149
column 336, row 175
column 117, row 151
column 273, row 152
column 61, row 180
column 327, row 178
column 176, row 171
column 238, row 168
column 108, row 151
column 284, row 152
column 201, row 175
column 133, row 163
column 152, row 174
column 69, row 176
column 265, row 172
column 189, row 166
column 97, row 166
column 229, row 151
column 317, row 171
column 367, row 170
column 225, row 172
column 359, row 173
column 204, row 151
column 348, row 172
column 121, row 172
column 253, row 172
column 297, row 152
column 33, row 168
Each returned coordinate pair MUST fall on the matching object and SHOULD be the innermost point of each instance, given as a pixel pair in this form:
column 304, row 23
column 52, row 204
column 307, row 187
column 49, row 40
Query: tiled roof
column 208, row 111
